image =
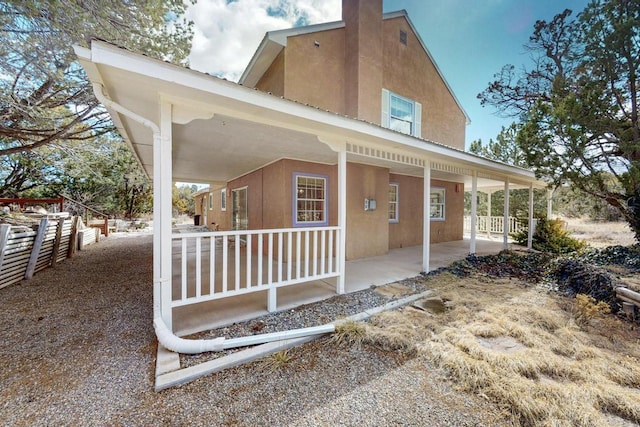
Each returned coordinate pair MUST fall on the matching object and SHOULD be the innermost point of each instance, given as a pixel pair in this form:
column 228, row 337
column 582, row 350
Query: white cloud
column 227, row 33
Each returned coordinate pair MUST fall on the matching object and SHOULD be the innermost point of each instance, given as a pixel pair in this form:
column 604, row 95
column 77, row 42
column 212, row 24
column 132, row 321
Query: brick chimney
column 363, row 58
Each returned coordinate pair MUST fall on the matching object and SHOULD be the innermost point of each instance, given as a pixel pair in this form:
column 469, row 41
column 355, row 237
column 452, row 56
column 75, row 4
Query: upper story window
column 393, row 202
column 401, row 114
column 210, row 201
column 309, row 199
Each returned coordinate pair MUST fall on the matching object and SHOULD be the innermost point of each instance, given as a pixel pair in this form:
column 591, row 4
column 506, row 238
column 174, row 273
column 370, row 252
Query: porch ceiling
column 222, row 148
column 222, row 130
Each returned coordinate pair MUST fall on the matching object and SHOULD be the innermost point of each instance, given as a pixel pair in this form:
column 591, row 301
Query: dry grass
column 276, row 361
column 600, row 234
column 385, row 334
column 525, row 350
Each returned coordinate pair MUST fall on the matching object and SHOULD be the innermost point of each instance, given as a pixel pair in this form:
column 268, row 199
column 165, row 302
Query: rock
column 501, row 344
column 432, row 304
column 393, row 290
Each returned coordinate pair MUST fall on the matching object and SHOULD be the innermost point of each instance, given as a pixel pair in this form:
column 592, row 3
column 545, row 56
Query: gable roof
column 275, row 41
column 272, row 44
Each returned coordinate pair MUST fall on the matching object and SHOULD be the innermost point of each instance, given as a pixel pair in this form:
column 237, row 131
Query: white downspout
column 167, row 338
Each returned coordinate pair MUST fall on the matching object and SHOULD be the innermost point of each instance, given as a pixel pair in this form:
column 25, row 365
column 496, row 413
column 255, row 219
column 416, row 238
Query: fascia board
column 252, row 63
column 403, row 14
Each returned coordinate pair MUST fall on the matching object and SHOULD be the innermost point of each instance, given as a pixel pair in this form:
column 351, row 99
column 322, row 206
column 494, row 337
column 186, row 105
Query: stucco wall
column 253, row 182
column 216, row 215
column 363, row 58
column 408, row 230
column 314, row 75
column 408, row 72
column 273, row 79
column 348, row 69
column 270, row 193
column 367, row 231
column 451, row 228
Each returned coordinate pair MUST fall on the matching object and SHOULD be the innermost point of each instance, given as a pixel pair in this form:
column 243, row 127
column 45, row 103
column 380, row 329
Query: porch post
column 489, row 213
column 342, row 218
column 426, row 227
column 505, row 223
column 162, row 186
column 474, row 211
column 530, row 236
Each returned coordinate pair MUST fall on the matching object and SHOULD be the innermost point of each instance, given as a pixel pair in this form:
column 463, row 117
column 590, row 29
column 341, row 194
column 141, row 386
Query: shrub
column 576, row 277
column 587, row 308
column 550, row 236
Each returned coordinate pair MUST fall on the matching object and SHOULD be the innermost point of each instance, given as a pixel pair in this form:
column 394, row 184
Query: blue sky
column 470, row 40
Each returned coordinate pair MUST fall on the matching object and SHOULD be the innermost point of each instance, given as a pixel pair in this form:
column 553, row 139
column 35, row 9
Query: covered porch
column 360, row 274
column 191, row 127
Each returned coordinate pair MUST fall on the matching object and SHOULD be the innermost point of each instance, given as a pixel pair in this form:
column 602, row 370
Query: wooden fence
column 24, row 252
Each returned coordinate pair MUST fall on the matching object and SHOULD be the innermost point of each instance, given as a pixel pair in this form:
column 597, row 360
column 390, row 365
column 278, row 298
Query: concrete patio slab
column 397, row 265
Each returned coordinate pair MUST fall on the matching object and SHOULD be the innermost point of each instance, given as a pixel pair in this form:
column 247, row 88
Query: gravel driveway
column 77, row 348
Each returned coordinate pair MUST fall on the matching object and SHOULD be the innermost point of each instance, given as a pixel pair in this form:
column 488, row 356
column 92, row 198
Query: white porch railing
column 214, row 265
column 494, row 224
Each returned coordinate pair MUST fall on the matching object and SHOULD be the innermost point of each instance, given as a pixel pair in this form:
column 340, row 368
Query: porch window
column 309, row 200
column 437, row 204
column 210, row 201
column 401, row 114
column 223, row 199
column 393, row 202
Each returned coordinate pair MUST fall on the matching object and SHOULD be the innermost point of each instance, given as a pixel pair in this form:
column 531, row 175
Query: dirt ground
column 78, row 349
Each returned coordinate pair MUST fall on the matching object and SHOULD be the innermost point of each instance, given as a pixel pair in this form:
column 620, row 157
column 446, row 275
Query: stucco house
column 374, row 68
column 342, row 141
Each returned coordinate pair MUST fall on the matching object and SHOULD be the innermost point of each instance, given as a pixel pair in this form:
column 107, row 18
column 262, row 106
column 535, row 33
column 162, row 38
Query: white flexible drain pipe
column 174, row 343
column 167, row 338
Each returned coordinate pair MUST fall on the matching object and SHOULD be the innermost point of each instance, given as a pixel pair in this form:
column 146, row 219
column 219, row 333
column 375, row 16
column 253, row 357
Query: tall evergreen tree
column 578, row 106
column 44, row 94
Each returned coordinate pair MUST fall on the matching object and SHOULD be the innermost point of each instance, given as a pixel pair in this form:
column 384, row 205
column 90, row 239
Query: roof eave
column 283, row 111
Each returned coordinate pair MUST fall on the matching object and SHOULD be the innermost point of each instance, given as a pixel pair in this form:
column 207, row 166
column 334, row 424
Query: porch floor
column 398, row 264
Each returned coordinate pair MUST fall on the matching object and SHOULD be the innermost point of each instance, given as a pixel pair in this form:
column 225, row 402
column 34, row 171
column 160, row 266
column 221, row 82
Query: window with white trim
column 210, row 201
column 223, row 199
column 437, row 204
column 401, row 114
column 393, row 202
column 309, row 199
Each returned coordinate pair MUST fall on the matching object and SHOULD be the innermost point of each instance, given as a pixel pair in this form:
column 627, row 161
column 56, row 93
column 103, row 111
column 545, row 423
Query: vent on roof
column 403, row 37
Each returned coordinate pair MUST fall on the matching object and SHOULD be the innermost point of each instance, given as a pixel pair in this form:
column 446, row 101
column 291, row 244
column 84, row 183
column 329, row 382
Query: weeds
column 350, row 333
column 588, row 309
column 277, row 361
column 387, row 336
